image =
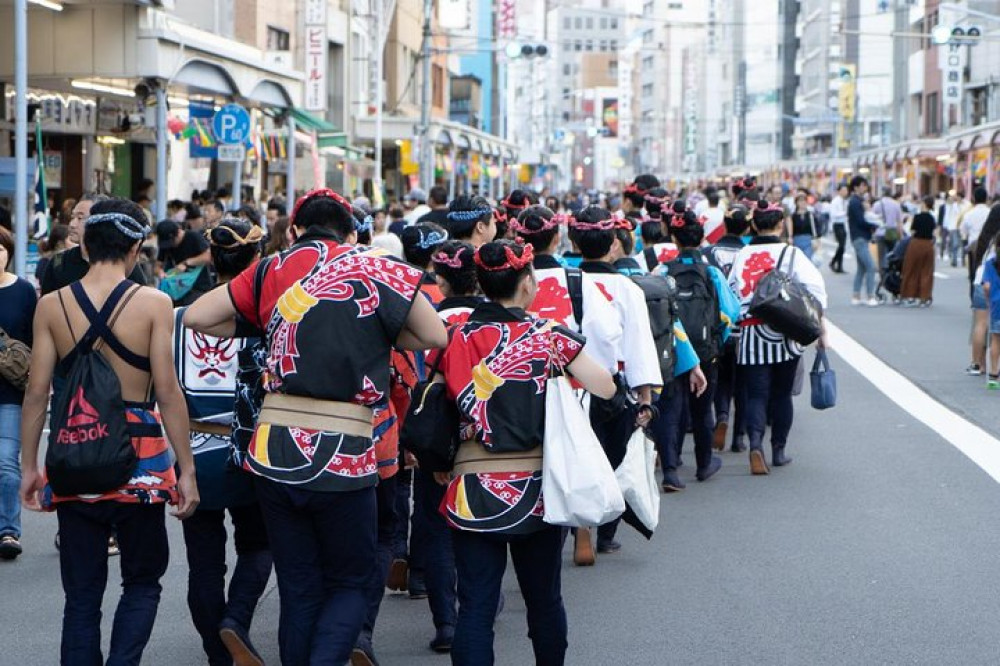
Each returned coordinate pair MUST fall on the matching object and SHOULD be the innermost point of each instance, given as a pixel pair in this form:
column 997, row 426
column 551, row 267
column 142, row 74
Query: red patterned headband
column 500, row 215
column 676, row 220
column 556, row 220
column 770, row 208
column 315, row 194
column 656, row 201
column 507, row 203
column 633, row 188
column 513, row 262
column 454, row 261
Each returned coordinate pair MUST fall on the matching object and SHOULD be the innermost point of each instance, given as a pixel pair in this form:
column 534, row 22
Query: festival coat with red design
column 496, row 368
column 331, row 314
column 759, row 343
column 601, row 325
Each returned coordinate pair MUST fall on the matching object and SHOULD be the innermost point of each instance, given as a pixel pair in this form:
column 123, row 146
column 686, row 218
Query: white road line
column 978, row 445
column 941, row 276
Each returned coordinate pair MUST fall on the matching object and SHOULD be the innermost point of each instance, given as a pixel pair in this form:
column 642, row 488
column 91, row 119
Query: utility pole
column 21, row 136
column 426, row 150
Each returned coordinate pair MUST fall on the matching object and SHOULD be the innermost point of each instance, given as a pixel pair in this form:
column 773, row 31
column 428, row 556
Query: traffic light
column 515, row 50
column 955, row 34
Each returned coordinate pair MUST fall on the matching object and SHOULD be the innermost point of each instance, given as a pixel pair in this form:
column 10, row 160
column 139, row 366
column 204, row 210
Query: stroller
column 891, row 274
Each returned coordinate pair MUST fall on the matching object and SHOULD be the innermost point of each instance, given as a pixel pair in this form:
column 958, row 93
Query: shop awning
column 310, row 123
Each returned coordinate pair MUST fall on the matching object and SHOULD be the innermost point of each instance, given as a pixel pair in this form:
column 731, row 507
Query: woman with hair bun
column 767, row 359
column 593, row 230
column 221, row 380
column 496, row 368
column 455, row 271
column 707, row 307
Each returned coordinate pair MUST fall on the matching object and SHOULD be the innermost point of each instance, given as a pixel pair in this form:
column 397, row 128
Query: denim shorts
column 979, row 298
column 995, row 323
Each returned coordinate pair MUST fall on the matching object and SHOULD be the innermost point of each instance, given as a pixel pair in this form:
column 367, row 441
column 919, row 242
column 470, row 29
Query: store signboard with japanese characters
column 316, row 55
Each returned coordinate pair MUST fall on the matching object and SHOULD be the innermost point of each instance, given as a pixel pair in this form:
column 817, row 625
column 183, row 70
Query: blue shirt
column 992, row 278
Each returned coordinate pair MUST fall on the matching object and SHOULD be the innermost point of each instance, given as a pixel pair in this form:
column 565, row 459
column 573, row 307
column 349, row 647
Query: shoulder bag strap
column 781, row 258
column 574, row 285
column 62, row 304
column 651, row 260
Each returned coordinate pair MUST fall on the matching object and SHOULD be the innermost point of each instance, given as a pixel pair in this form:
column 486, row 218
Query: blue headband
column 468, row 215
column 432, row 239
column 364, row 225
column 124, row 223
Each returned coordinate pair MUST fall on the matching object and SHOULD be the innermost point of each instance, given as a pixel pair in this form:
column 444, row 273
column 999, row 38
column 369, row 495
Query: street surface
column 875, row 547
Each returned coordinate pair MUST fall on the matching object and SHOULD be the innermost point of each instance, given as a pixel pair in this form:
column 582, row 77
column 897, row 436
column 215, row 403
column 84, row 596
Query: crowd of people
column 268, row 368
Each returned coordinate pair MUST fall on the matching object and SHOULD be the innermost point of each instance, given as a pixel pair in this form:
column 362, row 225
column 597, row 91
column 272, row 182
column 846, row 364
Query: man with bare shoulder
column 108, row 466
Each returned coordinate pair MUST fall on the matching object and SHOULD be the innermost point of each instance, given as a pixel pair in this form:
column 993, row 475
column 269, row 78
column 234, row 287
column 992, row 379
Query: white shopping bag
column 637, row 479
column 579, row 488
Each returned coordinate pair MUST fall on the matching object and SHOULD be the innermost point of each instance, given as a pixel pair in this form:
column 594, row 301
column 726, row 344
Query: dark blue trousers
column 324, row 547
column 481, row 560
column 385, row 500
column 673, row 406
column 768, row 391
column 205, row 541
column 83, row 562
column 439, row 561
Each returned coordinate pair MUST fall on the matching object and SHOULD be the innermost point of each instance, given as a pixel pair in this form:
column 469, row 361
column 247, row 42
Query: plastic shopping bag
column 637, row 479
column 579, row 488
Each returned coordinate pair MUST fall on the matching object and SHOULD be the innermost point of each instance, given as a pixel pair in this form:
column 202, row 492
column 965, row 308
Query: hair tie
column 323, row 192
column 513, row 262
column 551, row 223
column 500, row 215
column 468, row 215
column 126, row 224
column 601, row 225
column 677, row 220
column 454, row 261
column 431, row 239
column 506, row 203
column 253, row 236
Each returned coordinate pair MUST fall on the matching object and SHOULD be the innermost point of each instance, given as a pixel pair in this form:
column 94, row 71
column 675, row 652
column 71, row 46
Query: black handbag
column 784, row 304
column 430, row 430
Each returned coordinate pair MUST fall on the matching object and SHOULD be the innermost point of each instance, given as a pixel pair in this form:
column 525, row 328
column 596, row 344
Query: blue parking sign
column 231, row 124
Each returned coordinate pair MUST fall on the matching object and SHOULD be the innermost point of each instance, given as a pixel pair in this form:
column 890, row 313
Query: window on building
column 588, row 45
column 590, row 23
column 437, row 85
column 647, row 89
column 604, row 23
column 675, row 5
column 565, row 93
column 277, row 39
column 614, row 23
column 647, row 8
column 933, row 114
column 567, row 69
column 614, row 45
column 647, row 37
column 578, row 23
column 647, row 64
column 567, row 46
column 613, row 69
column 979, row 106
column 577, row 45
column 602, row 45
column 567, row 23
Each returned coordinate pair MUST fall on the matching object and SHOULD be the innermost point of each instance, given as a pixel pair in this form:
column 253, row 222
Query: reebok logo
column 82, row 424
column 81, row 412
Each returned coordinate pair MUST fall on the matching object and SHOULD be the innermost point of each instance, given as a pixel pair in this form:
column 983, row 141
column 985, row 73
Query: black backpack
column 90, row 450
column 574, row 285
column 660, row 292
column 698, row 306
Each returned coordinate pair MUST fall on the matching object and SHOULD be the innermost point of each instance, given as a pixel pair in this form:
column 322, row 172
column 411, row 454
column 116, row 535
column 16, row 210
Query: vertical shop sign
column 316, row 55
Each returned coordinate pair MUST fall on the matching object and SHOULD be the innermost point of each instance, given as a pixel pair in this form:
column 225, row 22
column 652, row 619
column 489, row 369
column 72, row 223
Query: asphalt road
column 874, row 547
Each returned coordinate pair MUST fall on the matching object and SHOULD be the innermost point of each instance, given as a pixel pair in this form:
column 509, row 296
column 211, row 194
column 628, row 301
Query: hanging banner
column 609, row 116
column 506, row 19
column 201, row 143
column 316, row 55
column 951, row 59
